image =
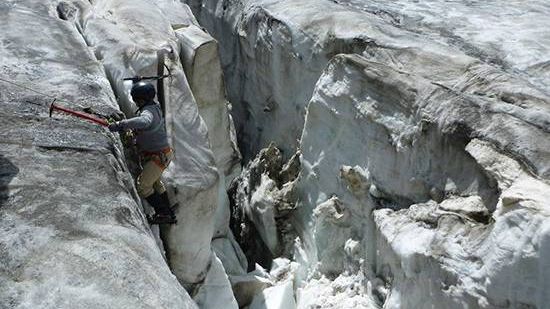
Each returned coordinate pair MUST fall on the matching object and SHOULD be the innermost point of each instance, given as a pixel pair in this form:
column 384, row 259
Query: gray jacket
column 149, row 128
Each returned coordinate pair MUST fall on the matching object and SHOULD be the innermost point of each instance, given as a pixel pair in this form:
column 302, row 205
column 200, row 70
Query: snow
column 343, row 292
column 216, row 291
column 508, row 35
column 277, row 297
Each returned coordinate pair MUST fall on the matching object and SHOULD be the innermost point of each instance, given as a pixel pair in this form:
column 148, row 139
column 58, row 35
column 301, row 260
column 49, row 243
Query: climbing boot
column 166, row 201
column 163, row 212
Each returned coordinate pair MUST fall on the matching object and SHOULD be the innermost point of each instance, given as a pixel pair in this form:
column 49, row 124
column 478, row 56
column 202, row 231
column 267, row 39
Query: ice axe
column 78, row 114
column 136, row 79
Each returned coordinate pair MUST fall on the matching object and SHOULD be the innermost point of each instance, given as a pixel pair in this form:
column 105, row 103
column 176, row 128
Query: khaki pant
column 153, row 165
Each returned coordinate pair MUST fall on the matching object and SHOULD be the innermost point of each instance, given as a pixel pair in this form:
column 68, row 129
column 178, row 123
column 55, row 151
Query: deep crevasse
column 421, row 147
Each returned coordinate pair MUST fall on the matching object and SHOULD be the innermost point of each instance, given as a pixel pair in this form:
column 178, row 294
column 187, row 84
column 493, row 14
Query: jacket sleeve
column 143, row 121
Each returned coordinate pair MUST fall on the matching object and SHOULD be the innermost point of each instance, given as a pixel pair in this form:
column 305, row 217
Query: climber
column 154, row 150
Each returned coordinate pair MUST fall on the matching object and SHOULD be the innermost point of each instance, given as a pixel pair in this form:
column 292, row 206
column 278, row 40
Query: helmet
column 143, row 91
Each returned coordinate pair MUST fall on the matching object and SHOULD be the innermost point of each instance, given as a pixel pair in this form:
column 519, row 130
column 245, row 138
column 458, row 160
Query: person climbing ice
column 154, row 150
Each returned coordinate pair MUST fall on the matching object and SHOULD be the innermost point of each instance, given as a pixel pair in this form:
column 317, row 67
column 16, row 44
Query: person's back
column 149, row 127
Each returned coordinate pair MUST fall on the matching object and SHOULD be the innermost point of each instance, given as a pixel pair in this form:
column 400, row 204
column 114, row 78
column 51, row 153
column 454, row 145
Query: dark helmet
column 143, row 91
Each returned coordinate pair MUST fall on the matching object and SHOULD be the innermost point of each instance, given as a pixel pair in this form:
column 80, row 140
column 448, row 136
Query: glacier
column 329, row 154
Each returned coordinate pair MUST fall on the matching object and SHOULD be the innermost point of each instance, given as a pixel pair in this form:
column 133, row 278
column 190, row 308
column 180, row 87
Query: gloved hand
column 115, row 127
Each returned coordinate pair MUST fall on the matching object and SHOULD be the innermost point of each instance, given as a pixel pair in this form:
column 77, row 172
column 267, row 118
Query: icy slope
column 73, row 234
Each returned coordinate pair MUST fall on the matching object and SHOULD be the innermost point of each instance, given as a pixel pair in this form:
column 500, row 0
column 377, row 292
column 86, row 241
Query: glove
column 115, row 127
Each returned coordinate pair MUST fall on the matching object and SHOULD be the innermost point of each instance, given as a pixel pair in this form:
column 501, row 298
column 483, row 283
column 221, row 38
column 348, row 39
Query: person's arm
column 143, row 121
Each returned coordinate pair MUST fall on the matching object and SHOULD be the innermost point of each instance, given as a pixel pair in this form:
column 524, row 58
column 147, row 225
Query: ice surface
column 277, row 297
column 418, row 132
column 274, row 51
column 425, row 240
column 216, row 291
column 73, row 234
column 509, row 35
column 423, row 133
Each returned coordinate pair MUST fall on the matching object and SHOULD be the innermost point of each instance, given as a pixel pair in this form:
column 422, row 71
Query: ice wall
column 143, row 38
column 72, row 230
column 274, row 51
column 107, row 41
column 270, row 67
column 437, row 195
column 411, row 142
column 201, row 61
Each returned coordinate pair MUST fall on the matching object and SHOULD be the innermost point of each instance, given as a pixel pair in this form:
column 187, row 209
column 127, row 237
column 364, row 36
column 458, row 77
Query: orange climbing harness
column 161, row 158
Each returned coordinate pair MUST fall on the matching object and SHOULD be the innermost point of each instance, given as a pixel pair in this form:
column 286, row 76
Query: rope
column 33, row 90
column 27, row 88
column 55, row 99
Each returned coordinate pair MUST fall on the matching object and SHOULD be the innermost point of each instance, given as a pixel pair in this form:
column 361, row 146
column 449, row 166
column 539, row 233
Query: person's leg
column 147, row 179
column 163, row 160
column 147, row 182
column 159, row 186
column 151, row 187
column 161, row 190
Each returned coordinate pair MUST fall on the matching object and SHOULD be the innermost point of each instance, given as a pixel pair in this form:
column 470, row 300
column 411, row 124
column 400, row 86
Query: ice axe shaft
column 78, row 114
column 136, row 79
